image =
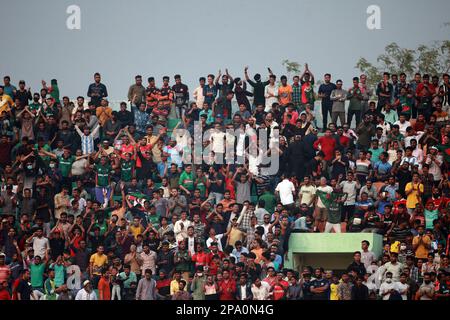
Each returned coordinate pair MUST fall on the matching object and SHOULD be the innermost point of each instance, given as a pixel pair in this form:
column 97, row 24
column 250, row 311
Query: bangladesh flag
column 328, row 199
column 137, row 198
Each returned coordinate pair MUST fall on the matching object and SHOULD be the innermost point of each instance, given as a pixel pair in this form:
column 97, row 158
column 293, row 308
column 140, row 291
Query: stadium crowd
column 101, row 204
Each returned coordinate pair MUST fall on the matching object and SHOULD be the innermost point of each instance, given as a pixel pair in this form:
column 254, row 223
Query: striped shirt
column 362, row 167
column 87, row 142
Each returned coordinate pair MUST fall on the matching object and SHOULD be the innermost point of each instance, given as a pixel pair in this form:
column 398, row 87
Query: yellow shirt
column 5, row 103
column 174, row 287
column 422, row 250
column 334, row 291
column 98, row 261
column 413, row 197
column 136, row 230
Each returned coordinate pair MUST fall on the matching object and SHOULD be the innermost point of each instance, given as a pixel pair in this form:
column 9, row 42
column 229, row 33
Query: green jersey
column 126, row 170
column 65, row 165
column 200, row 183
column 102, row 175
column 334, row 207
column 187, row 180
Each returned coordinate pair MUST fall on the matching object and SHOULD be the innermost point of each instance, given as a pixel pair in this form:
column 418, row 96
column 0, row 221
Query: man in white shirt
column 181, row 226
column 271, row 93
column 321, row 212
column 307, row 193
column 40, row 243
column 214, row 238
column 367, row 256
column 260, row 290
column 198, row 93
column 349, row 187
column 403, row 124
column 87, row 293
column 286, row 190
column 411, row 134
column 417, row 152
column 148, row 259
column 402, row 287
column 387, row 286
column 392, row 267
column 218, row 143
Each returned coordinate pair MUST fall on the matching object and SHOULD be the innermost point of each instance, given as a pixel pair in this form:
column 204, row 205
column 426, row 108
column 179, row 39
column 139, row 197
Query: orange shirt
column 285, row 94
column 103, row 289
column 103, row 114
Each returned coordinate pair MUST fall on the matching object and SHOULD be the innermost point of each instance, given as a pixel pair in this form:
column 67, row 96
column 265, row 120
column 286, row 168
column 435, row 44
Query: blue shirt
column 383, row 168
column 207, row 89
column 381, row 205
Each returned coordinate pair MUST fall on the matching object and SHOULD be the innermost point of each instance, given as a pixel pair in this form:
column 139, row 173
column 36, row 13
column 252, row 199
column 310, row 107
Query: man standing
column 355, row 96
column 307, row 81
column 325, row 90
column 384, row 92
column 366, row 92
column 258, row 87
column 284, row 93
column 198, row 92
column 421, row 244
column 367, row 256
column 97, row 90
column 146, row 289
column 320, row 287
column 365, row 131
column 136, row 92
column 181, row 97
column 337, row 99
column 286, row 191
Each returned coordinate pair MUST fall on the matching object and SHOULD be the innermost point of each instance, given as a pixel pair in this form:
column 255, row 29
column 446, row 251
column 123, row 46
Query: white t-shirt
column 326, row 189
column 40, row 246
column 261, row 293
column 400, row 287
column 350, row 188
column 218, row 238
column 199, row 97
column 386, row 287
column 286, row 189
column 218, row 142
column 403, row 126
column 308, row 193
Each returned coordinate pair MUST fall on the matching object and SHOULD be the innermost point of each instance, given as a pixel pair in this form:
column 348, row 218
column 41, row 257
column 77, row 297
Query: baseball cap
column 85, row 283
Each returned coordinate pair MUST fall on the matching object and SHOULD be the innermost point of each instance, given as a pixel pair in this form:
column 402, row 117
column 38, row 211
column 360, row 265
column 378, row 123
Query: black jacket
column 248, row 289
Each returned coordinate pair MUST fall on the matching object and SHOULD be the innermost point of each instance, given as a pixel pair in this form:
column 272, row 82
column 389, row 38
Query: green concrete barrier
column 333, row 248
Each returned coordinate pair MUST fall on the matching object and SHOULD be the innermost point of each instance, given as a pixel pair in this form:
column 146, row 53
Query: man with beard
column 181, row 92
column 296, row 157
column 325, row 90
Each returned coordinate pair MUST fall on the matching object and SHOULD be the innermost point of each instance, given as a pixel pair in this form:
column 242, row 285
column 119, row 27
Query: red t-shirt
column 200, row 259
column 327, row 145
column 228, row 289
